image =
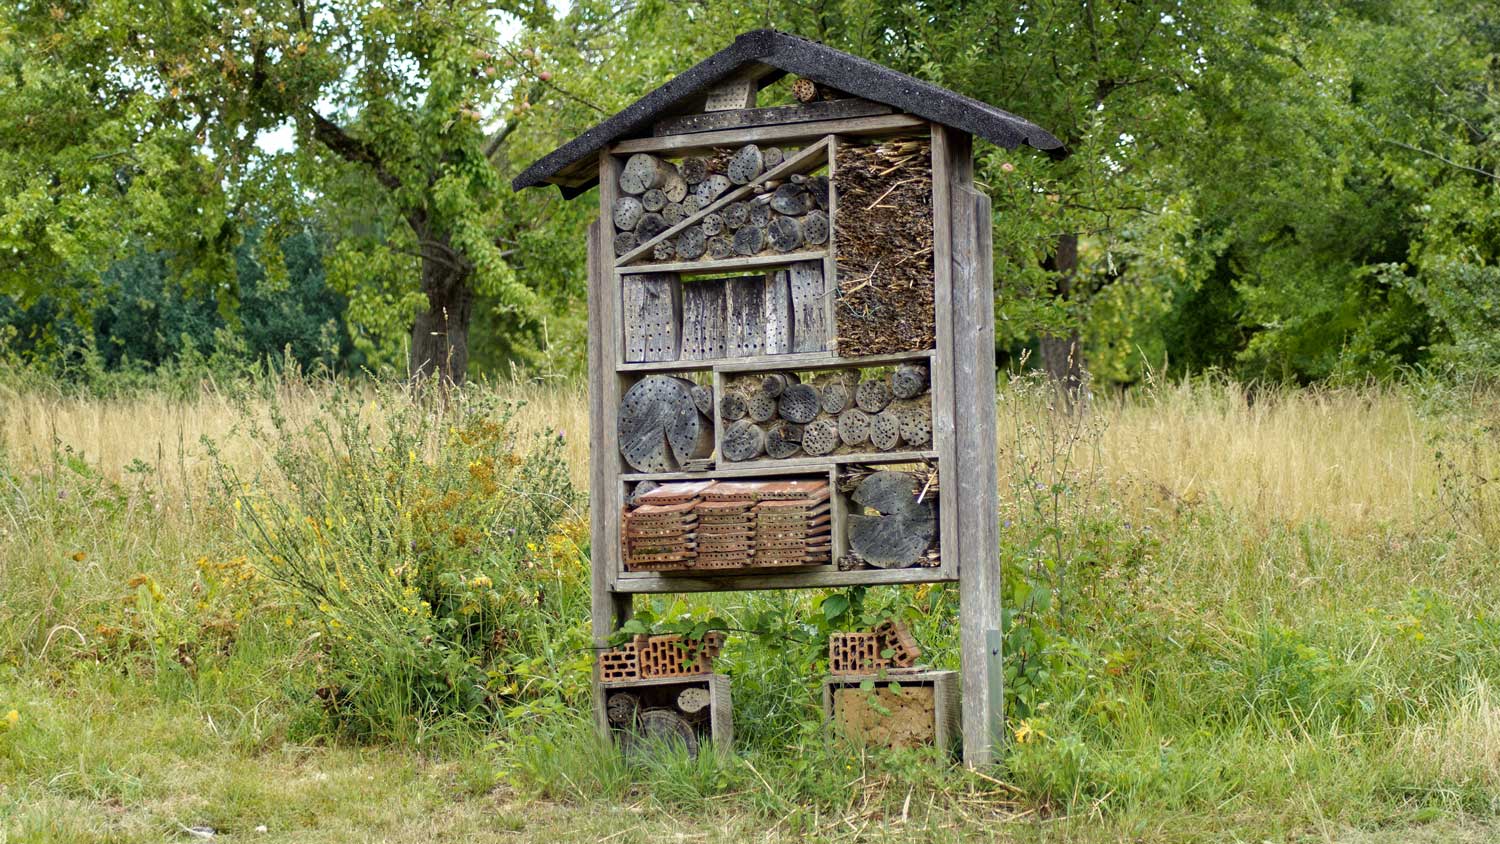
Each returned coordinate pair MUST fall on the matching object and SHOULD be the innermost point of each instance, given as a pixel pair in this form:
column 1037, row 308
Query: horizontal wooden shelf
column 723, row 472
column 661, row 681
column 727, row 265
column 835, row 459
column 689, row 581
column 803, row 360
column 704, row 142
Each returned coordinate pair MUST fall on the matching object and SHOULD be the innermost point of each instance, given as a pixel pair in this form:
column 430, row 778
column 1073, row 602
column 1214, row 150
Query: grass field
column 1240, row 615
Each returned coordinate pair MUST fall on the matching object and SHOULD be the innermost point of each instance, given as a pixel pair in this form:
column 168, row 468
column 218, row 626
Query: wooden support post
column 609, row 609
column 977, row 481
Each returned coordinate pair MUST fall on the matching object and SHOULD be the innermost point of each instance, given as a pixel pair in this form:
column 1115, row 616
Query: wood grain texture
column 809, row 306
column 977, row 484
column 775, row 116
column 703, row 320
column 730, row 581
column 745, row 305
column 778, row 320
column 704, row 142
column 653, row 314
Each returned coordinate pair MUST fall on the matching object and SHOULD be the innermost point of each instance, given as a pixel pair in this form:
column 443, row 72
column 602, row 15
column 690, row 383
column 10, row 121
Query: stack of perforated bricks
column 863, row 652
column 660, row 529
column 669, row 656
column 791, row 524
column 652, row 657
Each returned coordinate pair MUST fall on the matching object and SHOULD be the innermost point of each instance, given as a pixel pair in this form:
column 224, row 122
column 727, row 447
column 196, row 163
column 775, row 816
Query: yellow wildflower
column 12, row 718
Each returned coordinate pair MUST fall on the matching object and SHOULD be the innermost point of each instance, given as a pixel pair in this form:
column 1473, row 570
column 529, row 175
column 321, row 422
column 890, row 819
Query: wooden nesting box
column 902, row 708
column 693, row 710
column 795, row 293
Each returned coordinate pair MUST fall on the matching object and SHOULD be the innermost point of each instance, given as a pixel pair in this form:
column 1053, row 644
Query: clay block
column 620, row 663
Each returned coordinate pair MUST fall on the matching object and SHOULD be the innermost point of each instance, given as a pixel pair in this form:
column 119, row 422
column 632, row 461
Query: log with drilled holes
column 854, row 427
column 643, row 172
column 761, row 406
column 775, row 383
column 909, row 380
column 798, row 403
column 885, row 430
column 625, row 242
column 903, row 529
column 654, row 199
column 749, row 240
column 651, row 224
column 915, row 420
column 815, row 228
column 820, row 437
column 746, row 165
column 872, row 395
column 694, row 169
column 743, row 440
column 660, row 426
column 835, row 391
column 785, row 234
column 693, row 699
column 783, row 440
column 627, row 212
column 691, row 243
column 703, row 397
column 732, row 406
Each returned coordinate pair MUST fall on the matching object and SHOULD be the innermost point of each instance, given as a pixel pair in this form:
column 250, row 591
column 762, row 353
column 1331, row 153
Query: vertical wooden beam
column 977, row 485
column 831, row 257
column 606, row 348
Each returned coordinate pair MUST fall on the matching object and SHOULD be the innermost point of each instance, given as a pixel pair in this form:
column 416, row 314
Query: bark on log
column 627, row 212
column 643, row 172
column 743, row 440
column 750, row 240
column 872, row 396
column 746, row 164
column 810, row 327
column 785, row 234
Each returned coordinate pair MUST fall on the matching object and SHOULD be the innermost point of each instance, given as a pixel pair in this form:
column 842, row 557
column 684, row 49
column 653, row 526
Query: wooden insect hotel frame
column 791, row 353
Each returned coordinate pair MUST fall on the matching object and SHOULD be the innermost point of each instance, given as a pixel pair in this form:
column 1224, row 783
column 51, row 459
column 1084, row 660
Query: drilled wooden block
column 746, row 308
column 653, row 313
column 703, row 320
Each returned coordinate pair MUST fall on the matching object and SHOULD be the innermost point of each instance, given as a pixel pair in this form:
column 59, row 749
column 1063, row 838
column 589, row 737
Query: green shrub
column 436, row 562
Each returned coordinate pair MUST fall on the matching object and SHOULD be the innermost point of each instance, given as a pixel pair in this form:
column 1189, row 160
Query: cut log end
column 743, row 441
column 799, row 403
column 746, row 165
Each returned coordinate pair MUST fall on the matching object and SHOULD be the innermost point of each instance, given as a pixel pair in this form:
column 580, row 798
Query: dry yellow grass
column 1352, row 458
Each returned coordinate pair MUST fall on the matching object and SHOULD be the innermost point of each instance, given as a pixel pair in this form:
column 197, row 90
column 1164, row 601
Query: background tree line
column 1279, row 190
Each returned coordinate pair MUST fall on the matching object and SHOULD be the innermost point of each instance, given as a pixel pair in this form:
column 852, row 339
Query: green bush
column 436, row 562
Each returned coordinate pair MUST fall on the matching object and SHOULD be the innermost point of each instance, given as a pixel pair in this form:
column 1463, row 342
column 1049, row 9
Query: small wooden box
column 924, row 710
column 718, row 727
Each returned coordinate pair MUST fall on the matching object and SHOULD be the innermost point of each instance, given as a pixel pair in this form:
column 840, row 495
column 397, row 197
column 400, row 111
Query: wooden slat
column 806, row 159
column 655, row 584
column 944, row 420
column 973, row 400
column 831, row 260
column 779, row 115
column 653, row 316
column 778, row 313
column 810, row 294
column 726, row 265
column 745, row 299
column 705, row 141
column 703, row 320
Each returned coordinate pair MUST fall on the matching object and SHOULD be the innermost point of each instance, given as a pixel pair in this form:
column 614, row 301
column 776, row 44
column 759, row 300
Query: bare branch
column 1448, row 161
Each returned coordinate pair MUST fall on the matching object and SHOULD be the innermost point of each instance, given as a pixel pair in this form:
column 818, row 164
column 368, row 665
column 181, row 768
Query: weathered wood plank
column 727, row 264
column 748, row 117
column 745, row 299
column 809, row 311
column 653, row 314
column 703, row 142
column 825, row 577
column 703, row 320
column 973, row 400
column 778, row 319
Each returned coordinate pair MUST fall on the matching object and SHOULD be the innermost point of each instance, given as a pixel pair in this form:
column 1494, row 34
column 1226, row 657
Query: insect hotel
column 791, row 354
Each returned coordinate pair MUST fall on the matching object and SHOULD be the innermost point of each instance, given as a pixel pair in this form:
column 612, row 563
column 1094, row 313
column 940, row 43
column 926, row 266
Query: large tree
column 178, row 125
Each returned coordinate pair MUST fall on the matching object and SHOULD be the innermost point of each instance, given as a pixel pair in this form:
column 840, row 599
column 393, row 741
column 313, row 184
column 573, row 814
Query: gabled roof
column 773, row 53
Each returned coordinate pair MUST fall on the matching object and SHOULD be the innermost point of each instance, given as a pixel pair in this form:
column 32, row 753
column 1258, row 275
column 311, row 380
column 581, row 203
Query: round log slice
column 820, row 437
column 783, row 440
column 660, row 426
column 885, row 430
column 854, row 427
column 872, row 396
column 662, row 729
column 799, row 403
column 743, row 440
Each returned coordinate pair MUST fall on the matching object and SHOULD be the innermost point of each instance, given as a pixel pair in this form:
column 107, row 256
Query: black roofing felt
column 800, row 56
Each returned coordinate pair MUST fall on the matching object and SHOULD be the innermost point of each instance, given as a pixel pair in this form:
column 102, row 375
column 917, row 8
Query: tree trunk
column 1062, row 355
column 440, row 335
